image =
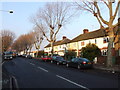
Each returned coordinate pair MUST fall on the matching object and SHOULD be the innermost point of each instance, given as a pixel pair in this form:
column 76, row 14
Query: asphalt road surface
column 31, row 73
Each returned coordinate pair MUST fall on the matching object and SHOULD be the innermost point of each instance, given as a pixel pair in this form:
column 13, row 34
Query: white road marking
column 73, row 82
column 16, row 84
column 32, row 64
column 43, row 69
column 3, row 62
column 40, row 68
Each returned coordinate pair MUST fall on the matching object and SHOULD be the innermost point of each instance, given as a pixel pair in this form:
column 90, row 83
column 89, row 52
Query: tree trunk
column 109, row 54
column 37, row 52
column 52, row 49
column 110, row 47
column 30, row 50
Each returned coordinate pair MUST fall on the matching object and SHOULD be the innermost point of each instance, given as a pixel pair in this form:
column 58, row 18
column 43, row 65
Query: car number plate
column 89, row 63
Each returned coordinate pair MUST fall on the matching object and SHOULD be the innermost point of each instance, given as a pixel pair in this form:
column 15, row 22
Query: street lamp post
column 10, row 11
column 1, row 62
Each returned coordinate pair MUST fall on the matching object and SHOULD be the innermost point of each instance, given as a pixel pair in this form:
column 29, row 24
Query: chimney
column 85, row 31
column 64, row 37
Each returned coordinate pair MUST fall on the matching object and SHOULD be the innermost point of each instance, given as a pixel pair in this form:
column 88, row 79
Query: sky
column 19, row 21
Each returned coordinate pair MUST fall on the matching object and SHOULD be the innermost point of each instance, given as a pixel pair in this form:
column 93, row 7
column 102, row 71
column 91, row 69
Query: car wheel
column 51, row 61
column 78, row 67
column 67, row 65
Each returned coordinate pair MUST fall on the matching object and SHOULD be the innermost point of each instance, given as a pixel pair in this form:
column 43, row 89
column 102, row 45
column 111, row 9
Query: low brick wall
column 102, row 60
column 118, row 60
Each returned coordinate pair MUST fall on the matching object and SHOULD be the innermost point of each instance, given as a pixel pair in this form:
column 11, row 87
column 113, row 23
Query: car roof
column 85, row 59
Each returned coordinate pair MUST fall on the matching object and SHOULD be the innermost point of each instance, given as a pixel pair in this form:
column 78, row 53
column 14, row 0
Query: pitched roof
column 60, row 42
column 90, row 35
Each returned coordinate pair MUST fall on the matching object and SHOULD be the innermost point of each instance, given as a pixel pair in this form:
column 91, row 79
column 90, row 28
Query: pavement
column 114, row 69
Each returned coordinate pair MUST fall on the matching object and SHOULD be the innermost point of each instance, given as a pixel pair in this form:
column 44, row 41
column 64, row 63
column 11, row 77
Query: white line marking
column 3, row 62
column 43, row 69
column 32, row 64
column 72, row 82
column 16, row 84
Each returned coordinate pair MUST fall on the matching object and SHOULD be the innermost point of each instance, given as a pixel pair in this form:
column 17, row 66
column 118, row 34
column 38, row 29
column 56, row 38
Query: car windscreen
column 84, row 59
column 60, row 58
column 8, row 53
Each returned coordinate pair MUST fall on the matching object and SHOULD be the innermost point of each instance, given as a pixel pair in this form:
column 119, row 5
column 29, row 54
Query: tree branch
column 99, row 14
column 101, row 26
column 43, row 32
column 105, row 3
column 116, row 10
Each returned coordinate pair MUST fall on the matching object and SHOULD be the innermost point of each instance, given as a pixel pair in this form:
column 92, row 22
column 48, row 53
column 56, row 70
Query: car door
column 73, row 62
column 54, row 59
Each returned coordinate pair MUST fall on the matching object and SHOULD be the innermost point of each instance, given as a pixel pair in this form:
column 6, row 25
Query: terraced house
column 98, row 37
column 59, row 46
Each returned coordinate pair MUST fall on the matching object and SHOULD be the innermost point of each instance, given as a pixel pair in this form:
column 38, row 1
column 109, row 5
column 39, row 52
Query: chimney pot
column 64, row 37
column 85, row 31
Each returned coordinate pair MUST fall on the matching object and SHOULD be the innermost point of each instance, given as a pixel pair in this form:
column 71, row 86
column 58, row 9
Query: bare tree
column 94, row 7
column 7, row 39
column 24, row 43
column 18, row 44
column 51, row 19
column 38, row 39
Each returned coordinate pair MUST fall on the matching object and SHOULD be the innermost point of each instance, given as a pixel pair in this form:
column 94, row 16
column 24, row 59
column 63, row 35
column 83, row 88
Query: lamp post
column 10, row 11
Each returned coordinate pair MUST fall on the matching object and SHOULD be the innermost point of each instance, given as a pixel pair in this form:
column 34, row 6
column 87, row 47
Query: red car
column 46, row 58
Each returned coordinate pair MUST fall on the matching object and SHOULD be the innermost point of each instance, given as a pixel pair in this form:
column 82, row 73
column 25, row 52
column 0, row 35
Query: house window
column 82, row 43
column 60, row 46
column 95, row 41
column 104, row 52
column 105, row 40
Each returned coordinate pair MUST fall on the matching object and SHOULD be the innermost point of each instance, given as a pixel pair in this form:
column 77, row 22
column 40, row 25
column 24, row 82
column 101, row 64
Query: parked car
column 79, row 63
column 29, row 56
column 58, row 60
column 46, row 58
column 24, row 55
column 8, row 55
column 19, row 55
column 14, row 54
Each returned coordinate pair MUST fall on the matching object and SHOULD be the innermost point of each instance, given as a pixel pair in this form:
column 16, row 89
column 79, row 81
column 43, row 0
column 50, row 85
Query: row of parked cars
column 75, row 62
column 9, row 55
column 26, row 56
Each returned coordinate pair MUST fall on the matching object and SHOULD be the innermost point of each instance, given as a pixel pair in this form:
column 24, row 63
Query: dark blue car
column 79, row 63
column 58, row 60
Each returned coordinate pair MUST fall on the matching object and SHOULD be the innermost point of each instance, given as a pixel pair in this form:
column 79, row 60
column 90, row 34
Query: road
column 31, row 73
